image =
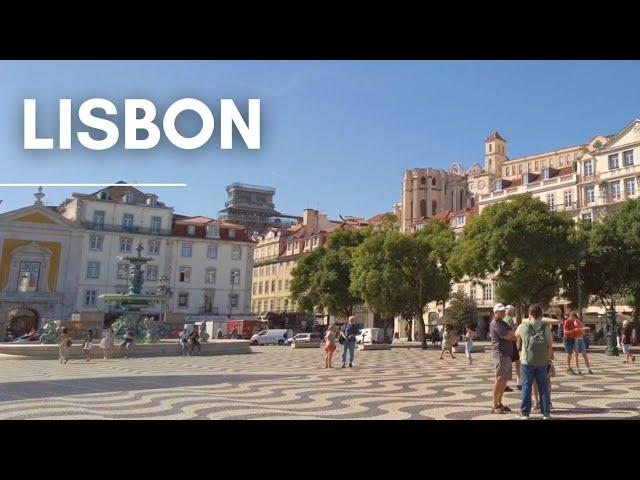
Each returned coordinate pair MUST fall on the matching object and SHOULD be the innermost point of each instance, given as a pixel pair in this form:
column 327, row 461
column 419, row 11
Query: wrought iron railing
column 125, row 229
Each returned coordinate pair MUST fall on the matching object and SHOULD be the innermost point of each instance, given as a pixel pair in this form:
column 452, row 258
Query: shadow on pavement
column 78, row 386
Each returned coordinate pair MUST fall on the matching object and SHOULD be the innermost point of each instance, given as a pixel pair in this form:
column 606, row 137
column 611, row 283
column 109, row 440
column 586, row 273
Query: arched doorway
column 22, row 320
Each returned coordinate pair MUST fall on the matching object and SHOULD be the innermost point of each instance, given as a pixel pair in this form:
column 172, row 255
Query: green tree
column 398, row 275
column 522, row 244
column 321, row 279
column 462, row 310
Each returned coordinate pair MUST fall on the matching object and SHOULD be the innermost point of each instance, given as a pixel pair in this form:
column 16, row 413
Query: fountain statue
column 134, row 301
column 50, row 332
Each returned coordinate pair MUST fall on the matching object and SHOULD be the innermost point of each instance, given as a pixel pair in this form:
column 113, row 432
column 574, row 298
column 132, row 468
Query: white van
column 271, row 337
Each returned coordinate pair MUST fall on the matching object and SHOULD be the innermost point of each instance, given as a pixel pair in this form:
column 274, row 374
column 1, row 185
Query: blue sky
column 335, row 135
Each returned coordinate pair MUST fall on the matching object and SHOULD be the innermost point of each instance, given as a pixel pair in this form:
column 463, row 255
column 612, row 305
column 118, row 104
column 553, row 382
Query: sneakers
column 508, row 389
column 498, row 410
column 524, row 416
column 343, row 365
column 505, row 408
column 590, row 371
column 570, row 371
column 350, row 365
column 579, row 372
column 546, row 417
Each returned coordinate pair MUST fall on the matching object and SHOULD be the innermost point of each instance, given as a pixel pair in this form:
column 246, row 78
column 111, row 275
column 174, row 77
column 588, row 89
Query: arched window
column 423, row 181
column 433, row 181
column 490, row 147
column 461, row 205
column 434, row 207
column 423, row 208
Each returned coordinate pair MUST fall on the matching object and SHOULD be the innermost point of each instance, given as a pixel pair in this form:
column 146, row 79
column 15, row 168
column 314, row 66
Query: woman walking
column 447, row 342
column 127, row 342
column 329, row 345
column 469, row 336
column 107, row 341
column 626, row 342
column 87, row 345
column 65, row 344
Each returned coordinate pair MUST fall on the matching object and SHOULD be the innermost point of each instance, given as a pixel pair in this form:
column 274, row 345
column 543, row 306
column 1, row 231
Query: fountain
column 134, row 301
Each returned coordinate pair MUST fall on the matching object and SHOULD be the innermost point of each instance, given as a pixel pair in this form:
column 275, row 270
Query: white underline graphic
column 93, row 184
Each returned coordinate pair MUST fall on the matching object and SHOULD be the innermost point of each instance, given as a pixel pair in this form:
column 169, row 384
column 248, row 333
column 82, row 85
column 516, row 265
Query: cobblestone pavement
column 283, row 383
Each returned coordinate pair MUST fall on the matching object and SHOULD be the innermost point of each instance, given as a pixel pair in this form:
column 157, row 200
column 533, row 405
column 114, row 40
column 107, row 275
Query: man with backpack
column 537, row 350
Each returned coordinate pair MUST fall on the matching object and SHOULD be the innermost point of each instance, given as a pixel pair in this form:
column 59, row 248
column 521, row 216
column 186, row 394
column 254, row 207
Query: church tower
column 495, row 153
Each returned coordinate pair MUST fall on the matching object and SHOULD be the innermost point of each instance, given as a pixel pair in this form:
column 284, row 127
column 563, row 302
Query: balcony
column 35, row 297
column 125, row 229
column 629, row 171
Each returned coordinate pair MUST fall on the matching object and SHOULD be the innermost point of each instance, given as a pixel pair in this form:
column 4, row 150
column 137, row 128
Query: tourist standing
column 329, row 345
column 537, row 350
column 501, row 350
column 127, row 342
column 580, row 346
column 349, row 334
column 183, row 340
column 64, row 344
column 447, row 342
column 434, row 337
column 469, row 342
column 571, row 329
column 510, row 320
column 627, row 332
column 87, row 345
column 107, row 341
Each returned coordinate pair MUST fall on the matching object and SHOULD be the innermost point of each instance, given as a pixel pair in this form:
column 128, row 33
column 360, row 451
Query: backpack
column 537, row 344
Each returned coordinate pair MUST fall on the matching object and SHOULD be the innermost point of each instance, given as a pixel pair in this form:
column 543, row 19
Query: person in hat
column 626, row 342
column 501, row 349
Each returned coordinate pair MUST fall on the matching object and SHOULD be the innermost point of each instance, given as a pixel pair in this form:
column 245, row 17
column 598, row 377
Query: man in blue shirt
column 349, row 334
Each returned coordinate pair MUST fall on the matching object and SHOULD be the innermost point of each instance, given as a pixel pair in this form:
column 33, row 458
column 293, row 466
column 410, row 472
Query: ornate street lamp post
column 612, row 341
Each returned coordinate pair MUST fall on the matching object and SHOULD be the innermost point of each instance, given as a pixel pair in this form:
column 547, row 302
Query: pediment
column 31, row 249
column 629, row 135
column 35, row 214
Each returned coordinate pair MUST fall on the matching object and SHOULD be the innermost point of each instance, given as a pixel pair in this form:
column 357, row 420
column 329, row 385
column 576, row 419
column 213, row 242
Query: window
column 286, row 304
column 423, row 208
column 191, row 229
column 513, row 170
column 255, row 288
column 210, row 275
column 630, row 186
column 279, row 285
column 587, row 217
column 614, row 161
column 286, row 284
column 588, row 168
column 213, row 231
column 433, row 181
column 156, row 223
column 434, row 207
column 307, row 244
column 488, row 292
column 185, row 274
column 152, row 272
column 423, row 180
column 236, row 252
column 537, row 165
column 98, row 219
column 590, row 194
column 545, row 174
column 614, row 188
column 128, row 198
column 568, row 198
column 29, row 276
column 208, row 302
column 525, row 179
column 153, row 201
column 123, row 271
column 560, row 161
column 212, row 251
column 627, row 158
column 497, row 185
column 551, row 201
column 233, row 300
column 552, row 162
column 473, row 292
column 506, row 172
column 154, row 247
column 90, row 297
column 125, row 244
column 183, row 300
column 186, row 250
column 235, row 277
column 232, row 233
column 127, row 222
column 93, row 269
column 95, row 242
column 519, row 169
column 259, row 288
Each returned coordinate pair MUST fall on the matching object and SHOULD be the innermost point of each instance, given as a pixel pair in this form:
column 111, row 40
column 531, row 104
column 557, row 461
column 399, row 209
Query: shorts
column 503, row 368
column 331, row 347
column 580, row 346
column 626, row 348
column 569, row 344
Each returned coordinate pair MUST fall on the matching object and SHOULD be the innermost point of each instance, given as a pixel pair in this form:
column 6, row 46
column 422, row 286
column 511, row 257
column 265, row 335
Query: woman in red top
column 580, row 346
column 574, row 341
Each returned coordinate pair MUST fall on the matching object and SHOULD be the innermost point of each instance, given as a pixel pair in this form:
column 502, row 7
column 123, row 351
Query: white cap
column 509, row 306
column 498, row 307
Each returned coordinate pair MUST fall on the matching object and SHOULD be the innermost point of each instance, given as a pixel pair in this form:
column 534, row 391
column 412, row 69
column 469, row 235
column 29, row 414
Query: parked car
column 304, row 338
column 372, row 335
column 271, row 337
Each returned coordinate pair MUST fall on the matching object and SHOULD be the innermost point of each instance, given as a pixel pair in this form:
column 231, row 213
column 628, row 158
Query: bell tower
column 495, row 153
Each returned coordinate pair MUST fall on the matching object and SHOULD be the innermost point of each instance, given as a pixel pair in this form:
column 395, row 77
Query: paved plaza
column 283, row 383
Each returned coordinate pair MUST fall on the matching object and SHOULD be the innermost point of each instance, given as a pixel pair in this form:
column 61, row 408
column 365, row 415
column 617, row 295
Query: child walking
column 469, row 342
column 87, row 344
